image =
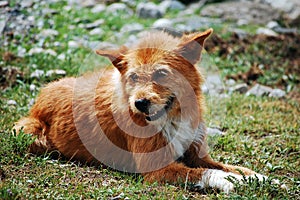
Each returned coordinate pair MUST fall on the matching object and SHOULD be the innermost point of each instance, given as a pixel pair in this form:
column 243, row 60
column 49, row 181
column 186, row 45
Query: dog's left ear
column 115, row 56
column 191, row 45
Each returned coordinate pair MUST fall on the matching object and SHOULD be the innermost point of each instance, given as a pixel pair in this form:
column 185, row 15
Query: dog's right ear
column 115, row 56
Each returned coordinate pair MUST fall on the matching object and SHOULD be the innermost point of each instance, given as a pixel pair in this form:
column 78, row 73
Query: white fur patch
column 118, row 98
column 217, row 179
column 181, row 135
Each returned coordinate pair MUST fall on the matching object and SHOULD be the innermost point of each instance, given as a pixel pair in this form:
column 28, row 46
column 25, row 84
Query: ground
column 261, row 133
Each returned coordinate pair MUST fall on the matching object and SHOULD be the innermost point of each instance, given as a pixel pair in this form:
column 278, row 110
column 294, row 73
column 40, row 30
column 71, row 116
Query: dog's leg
column 201, row 177
column 33, row 126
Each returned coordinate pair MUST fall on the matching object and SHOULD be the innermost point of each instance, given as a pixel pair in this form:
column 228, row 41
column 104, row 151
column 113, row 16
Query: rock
column 98, row 8
column 272, row 25
column 26, row 3
column 132, row 28
column 163, row 23
column 106, row 45
column 2, row 25
column 213, row 84
column 37, row 50
column 31, row 102
column 11, row 102
column 73, row 44
column 119, row 7
column 56, row 72
column 281, row 30
column 95, row 24
column 277, row 93
column 194, row 23
column 259, row 90
column 171, row 5
column 266, row 31
column 61, row 56
column 214, row 132
column 48, row 33
column 21, row 52
column 3, row 4
column 242, row 11
column 97, row 31
column 240, row 88
column 230, row 82
column 37, row 74
column 32, row 87
column 240, row 34
column 149, row 10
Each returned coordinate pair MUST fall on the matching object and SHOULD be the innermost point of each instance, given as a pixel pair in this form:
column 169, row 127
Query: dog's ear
column 115, row 56
column 191, row 45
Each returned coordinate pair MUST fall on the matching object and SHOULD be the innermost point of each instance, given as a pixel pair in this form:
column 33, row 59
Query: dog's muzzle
column 143, row 105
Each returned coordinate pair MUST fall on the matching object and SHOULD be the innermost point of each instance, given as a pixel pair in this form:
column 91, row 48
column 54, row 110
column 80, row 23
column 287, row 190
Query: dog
column 143, row 114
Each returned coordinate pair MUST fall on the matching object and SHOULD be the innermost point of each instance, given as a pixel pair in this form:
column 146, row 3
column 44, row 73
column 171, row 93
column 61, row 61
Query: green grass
column 261, row 133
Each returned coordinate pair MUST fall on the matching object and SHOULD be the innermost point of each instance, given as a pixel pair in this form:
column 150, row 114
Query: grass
column 261, row 133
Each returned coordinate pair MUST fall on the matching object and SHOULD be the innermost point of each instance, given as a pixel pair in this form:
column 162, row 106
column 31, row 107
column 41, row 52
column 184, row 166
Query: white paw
column 219, row 179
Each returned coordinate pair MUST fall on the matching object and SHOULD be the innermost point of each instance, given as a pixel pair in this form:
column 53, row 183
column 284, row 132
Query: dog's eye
column 159, row 74
column 134, row 77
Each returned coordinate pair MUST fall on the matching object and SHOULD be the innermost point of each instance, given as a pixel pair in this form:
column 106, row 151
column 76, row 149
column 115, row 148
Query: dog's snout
column 142, row 105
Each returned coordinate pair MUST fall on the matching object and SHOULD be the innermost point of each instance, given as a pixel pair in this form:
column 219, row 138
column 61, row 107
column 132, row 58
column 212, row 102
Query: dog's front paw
column 218, row 179
column 224, row 181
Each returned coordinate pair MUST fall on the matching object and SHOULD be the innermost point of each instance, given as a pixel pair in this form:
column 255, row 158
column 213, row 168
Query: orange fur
column 157, row 68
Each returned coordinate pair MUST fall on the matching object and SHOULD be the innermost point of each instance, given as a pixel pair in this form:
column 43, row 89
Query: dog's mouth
column 159, row 113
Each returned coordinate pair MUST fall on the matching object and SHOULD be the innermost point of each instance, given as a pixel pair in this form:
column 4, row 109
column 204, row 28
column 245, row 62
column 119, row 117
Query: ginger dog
column 143, row 115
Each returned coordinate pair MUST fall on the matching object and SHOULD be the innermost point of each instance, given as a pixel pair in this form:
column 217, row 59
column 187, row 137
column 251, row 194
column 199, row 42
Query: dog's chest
column 181, row 135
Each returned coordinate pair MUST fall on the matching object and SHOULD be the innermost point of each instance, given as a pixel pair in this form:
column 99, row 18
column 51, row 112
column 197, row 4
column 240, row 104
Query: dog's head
column 158, row 75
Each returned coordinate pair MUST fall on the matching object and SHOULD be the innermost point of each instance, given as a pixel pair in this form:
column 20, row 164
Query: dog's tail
column 38, row 129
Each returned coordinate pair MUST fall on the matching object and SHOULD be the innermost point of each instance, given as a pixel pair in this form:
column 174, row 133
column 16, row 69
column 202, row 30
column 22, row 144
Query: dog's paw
column 224, row 181
column 218, row 179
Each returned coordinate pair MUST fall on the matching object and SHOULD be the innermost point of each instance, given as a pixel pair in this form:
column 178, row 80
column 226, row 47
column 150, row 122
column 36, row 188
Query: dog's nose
column 142, row 105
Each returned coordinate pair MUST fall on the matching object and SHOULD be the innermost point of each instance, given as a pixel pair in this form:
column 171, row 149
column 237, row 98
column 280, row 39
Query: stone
column 194, row 23
column 230, row 82
column 272, row 25
column 242, row 11
column 37, row 50
column 277, row 93
column 32, row 87
column 73, row 44
column 171, row 5
column 21, row 52
column 26, row 3
column 11, row 102
column 48, row 33
column 3, row 4
column 259, row 90
column 37, row 74
column 61, row 56
column 96, row 31
column 266, row 31
column 240, row 34
column 214, row 132
column 56, row 72
column 132, row 28
column 2, row 25
column 98, row 8
column 163, row 23
column 119, row 7
column 240, row 88
column 95, row 24
column 149, row 10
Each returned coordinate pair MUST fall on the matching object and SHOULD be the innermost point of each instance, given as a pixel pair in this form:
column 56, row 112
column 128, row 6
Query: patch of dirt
column 9, row 76
column 248, row 77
